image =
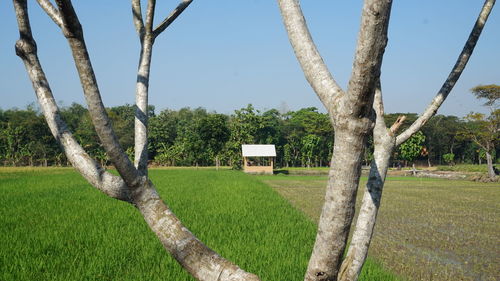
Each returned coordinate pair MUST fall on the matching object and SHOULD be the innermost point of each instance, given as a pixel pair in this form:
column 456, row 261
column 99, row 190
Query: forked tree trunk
column 385, row 143
column 338, row 209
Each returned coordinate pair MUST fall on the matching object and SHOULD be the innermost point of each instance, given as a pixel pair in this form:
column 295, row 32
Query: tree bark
column 384, row 143
column 489, row 162
column 141, row 101
column 313, row 66
column 338, row 209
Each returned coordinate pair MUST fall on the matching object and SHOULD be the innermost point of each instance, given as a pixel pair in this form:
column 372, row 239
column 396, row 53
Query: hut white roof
column 258, row 150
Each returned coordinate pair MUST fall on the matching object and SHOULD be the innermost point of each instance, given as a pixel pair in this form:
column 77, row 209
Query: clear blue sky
column 224, row 54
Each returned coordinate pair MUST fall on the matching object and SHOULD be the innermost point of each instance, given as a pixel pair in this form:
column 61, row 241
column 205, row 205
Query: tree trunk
column 141, row 114
column 362, row 236
column 489, row 162
column 338, row 209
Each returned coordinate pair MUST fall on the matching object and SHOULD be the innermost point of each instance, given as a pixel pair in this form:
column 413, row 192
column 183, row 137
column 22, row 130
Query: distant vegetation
column 196, row 137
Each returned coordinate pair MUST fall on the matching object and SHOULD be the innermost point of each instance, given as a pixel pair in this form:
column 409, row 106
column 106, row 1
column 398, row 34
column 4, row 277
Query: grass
column 470, row 168
column 54, row 226
column 427, row 229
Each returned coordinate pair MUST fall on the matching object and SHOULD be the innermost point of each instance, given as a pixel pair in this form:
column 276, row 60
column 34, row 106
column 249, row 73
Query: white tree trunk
column 384, row 142
column 489, row 162
column 141, row 114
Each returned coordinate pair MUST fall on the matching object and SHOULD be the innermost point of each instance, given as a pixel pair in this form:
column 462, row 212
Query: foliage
column 449, row 158
column 412, row 148
column 485, row 130
column 190, row 137
column 489, row 92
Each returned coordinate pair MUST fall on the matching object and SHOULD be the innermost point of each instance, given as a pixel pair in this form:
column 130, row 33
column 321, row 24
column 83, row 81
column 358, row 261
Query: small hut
column 258, row 158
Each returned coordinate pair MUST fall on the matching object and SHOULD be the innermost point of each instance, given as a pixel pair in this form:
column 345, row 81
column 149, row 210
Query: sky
column 225, row 54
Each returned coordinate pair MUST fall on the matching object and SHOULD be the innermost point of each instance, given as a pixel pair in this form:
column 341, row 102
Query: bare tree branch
column 137, row 16
column 142, row 89
column 106, row 182
column 51, row 11
column 397, row 124
column 72, row 30
column 171, row 18
column 142, row 84
column 372, row 40
column 150, row 15
column 313, row 66
column 455, row 73
column 141, row 101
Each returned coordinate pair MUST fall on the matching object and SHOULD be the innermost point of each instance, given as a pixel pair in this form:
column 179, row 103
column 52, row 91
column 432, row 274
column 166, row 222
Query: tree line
column 197, row 137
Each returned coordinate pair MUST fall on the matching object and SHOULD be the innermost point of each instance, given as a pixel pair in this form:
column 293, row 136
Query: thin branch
column 171, row 18
column 137, row 16
column 455, row 73
column 397, row 124
column 313, row 66
column 150, row 15
column 378, row 106
column 106, row 182
column 51, row 11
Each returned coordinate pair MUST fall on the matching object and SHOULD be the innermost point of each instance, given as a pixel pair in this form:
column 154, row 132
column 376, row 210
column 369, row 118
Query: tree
column 412, row 148
column 485, row 132
column 214, row 132
column 449, row 158
column 132, row 184
column 441, row 137
column 354, row 115
column 482, row 130
column 243, row 125
column 489, row 92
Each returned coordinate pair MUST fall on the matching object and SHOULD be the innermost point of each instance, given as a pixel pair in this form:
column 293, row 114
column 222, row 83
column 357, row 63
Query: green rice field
column 55, row 226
